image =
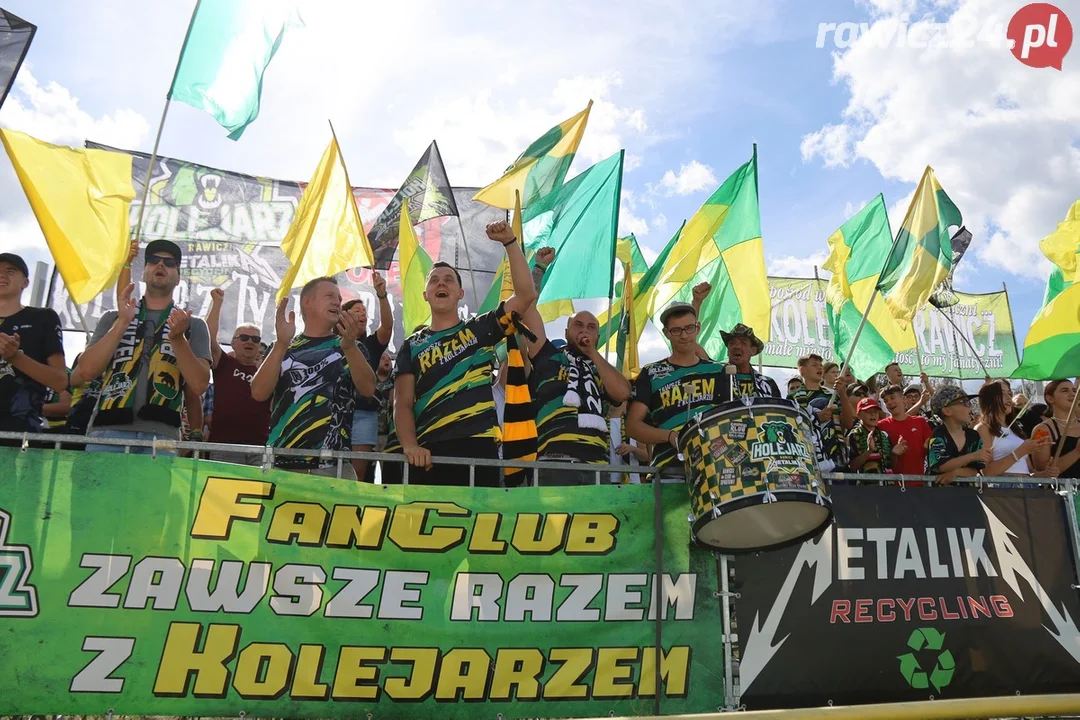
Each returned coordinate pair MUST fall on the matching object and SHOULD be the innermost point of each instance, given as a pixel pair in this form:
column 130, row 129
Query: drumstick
column 731, row 370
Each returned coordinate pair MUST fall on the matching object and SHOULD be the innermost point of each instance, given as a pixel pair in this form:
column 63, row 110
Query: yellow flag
column 541, row 168
column 1062, row 247
column 326, row 236
column 549, row 311
column 414, row 264
column 81, row 199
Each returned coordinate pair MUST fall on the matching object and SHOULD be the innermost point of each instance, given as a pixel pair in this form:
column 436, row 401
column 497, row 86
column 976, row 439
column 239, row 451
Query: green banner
column 158, row 586
column 800, row 325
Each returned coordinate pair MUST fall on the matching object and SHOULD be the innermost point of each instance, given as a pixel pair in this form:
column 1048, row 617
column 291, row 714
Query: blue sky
column 686, row 88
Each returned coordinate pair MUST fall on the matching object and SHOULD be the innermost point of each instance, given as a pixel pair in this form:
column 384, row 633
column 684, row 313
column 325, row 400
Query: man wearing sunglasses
column 149, row 352
column 239, row 419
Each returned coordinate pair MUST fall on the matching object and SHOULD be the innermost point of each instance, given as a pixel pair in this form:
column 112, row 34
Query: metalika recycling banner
column 800, row 326
column 159, row 586
column 229, row 227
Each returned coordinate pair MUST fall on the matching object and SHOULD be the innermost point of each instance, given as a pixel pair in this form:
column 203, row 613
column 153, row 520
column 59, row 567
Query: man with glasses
column 149, row 351
column 239, row 419
column 668, row 393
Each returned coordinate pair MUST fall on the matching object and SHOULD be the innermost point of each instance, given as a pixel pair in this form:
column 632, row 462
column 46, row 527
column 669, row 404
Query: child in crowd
column 955, row 449
column 868, row 445
column 908, row 434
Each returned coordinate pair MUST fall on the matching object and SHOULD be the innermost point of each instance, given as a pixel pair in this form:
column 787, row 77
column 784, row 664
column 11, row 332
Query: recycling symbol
column 923, row 639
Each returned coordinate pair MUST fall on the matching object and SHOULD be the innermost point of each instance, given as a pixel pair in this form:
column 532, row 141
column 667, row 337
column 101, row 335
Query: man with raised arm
column 572, row 389
column 149, row 352
column 313, row 380
column 443, row 402
column 239, row 419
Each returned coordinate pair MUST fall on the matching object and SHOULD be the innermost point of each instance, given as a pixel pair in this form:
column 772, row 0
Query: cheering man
column 313, row 379
column 571, row 388
column 149, row 352
column 443, row 402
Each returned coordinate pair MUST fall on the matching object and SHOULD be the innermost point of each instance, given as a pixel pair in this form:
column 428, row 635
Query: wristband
column 508, row 244
column 1014, row 456
column 127, row 265
column 381, row 297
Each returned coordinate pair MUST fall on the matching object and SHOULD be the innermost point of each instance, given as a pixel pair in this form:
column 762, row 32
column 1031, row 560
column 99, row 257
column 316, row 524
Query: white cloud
column 692, row 177
column 51, row 113
column 659, row 222
column 631, row 223
column 799, row 267
column 850, row 209
column 1003, row 138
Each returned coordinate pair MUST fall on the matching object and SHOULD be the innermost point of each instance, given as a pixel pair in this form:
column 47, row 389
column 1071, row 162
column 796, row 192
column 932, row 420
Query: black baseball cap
column 162, row 246
column 18, row 262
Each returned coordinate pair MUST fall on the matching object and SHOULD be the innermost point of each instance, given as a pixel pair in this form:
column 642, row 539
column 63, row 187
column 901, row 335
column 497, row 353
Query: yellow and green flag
column 541, row 168
column 922, row 256
column 1052, row 345
column 414, row 264
column 326, row 236
column 1062, row 248
column 626, row 354
column 720, row 244
column 857, row 253
column 81, row 199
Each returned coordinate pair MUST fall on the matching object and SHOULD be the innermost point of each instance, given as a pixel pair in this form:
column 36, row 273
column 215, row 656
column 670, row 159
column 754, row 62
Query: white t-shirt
column 1004, row 445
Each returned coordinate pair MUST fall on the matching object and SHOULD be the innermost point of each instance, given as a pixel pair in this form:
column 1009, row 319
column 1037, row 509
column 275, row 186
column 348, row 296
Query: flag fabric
column 541, row 168
column 944, row 296
column 721, row 244
column 921, row 257
column 627, row 251
column 15, row 37
column 326, row 236
column 626, row 353
column 1052, row 345
column 1062, row 248
column 428, row 194
column 414, row 264
column 642, row 295
column 857, row 253
column 228, row 47
column 579, row 220
column 519, row 436
column 81, row 199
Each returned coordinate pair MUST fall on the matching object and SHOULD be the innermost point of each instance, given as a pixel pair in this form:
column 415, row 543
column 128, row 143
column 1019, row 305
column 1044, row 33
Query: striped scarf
column 519, row 438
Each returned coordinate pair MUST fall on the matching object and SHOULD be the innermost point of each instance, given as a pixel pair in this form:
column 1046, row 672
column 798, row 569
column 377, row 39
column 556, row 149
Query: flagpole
column 614, row 251
column 161, row 125
column 966, row 342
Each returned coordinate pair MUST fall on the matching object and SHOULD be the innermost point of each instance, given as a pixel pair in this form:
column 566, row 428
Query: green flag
column 579, row 220
column 228, row 46
column 415, row 264
column 857, row 253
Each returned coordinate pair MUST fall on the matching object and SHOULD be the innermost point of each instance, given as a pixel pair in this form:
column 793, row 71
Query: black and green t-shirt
column 556, row 424
column 313, row 401
column 452, row 369
column 942, row 448
column 672, row 393
column 803, row 396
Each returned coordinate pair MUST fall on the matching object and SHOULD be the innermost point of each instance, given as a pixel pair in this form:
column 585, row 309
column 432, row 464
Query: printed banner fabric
column 929, row 593
column 186, row 588
column 230, row 227
column 800, row 325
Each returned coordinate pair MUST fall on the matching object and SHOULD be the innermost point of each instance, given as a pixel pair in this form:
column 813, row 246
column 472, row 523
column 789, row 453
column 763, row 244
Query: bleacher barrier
column 146, row 584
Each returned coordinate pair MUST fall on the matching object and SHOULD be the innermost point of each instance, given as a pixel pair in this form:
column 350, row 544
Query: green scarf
column 164, row 396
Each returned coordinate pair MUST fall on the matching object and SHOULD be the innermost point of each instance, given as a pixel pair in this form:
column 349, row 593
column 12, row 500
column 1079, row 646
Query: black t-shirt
column 557, row 427
column 373, row 350
column 21, row 397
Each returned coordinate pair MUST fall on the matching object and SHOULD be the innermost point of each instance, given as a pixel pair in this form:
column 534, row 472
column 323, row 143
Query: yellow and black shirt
column 557, row 425
column 452, row 369
column 674, row 393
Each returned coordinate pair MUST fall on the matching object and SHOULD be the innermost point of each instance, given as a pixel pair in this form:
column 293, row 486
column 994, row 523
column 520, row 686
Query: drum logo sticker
column 718, row 447
column 727, row 476
column 777, row 444
column 18, row 598
column 695, row 455
column 738, row 454
column 737, row 431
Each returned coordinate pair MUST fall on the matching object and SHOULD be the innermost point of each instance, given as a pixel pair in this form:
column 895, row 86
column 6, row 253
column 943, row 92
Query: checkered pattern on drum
column 708, row 472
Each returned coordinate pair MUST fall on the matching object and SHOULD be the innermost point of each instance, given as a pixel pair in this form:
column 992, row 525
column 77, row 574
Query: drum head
column 759, row 526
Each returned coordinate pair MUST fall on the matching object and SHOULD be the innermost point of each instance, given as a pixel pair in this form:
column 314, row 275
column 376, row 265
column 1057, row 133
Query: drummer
column 669, row 392
column 742, row 345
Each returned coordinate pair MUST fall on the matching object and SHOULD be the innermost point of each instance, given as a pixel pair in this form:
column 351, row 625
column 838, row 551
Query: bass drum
column 753, row 477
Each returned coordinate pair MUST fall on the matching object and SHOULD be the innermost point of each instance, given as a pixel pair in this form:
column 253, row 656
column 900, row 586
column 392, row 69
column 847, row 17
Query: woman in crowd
column 1060, row 427
column 1011, row 453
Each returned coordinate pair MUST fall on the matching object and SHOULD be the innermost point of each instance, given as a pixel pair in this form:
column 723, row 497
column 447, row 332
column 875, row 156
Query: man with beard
column 149, row 352
column 571, row 388
column 668, row 393
column 313, row 379
column 31, row 352
column 239, row 419
column 443, row 401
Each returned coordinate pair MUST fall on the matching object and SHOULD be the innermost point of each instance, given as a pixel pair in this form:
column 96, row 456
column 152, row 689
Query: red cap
column 867, row 404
